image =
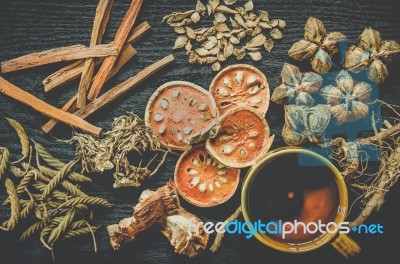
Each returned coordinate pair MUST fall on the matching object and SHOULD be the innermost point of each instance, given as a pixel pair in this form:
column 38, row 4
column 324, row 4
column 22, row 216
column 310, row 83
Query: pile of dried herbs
column 46, row 197
column 128, row 135
column 236, row 30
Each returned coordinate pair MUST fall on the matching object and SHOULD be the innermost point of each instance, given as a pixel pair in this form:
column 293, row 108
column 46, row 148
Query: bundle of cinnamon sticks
column 109, row 58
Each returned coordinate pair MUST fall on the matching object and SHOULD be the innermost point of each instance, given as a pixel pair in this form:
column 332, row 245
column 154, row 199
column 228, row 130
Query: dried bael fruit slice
column 240, row 138
column 238, row 85
column 180, row 114
column 203, row 181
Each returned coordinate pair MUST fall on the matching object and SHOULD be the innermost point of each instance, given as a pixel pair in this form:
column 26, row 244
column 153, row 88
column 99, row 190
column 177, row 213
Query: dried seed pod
column 205, row 188
column 377, row 72
column 244, row 82
column 321, row 62
column 303, row 50
column 356, row 59
column 370, row 40
column 302, row 123
column 331, row 42
column 314, row 30
column 238, row 122
column 182, row 114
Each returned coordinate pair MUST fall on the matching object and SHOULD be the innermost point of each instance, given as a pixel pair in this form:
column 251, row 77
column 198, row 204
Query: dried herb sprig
column 128, row 134
column 4, row 159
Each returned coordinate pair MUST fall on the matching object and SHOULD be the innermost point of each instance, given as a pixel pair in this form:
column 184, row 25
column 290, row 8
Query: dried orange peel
column 241, row 137
column 239, row 85
column 180, row 114
column 203, row 181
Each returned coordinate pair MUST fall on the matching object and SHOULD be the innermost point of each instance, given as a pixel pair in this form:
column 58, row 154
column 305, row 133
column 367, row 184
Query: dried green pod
column 321, row 62
column 356, row 59
column 377, row 72
column 23, row 137
column 331, row 42
column 4, row 159
column 314, row 30
column 302, row 50
column 370, row 40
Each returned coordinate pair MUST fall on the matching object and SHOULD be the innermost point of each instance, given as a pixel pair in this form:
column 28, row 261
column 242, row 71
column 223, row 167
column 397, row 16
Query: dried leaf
column 255, row 55
column 331, row 42
column 370, row 40
column 190, row 32
column 180, row 42
column 216, row 66
column 276, row 34
column 302, row 50
column 356, row 59
column 257, row 41
column 195, row 17
column 314, row 30
column 377, row 72
column 321, row 62
column 248, row 6
column 230, row 2
column 269, row 45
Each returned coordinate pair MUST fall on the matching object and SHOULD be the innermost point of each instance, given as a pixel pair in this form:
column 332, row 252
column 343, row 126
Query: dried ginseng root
column 297, row 87
column 240, row 85
column 317, row 45
column 180, row 114
column 302, row 123
column 162, row 206
column 203, row 181
column 373, row 54
column 241, row 137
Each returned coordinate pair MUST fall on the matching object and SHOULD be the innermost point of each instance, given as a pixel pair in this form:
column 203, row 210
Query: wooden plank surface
column 29, row 26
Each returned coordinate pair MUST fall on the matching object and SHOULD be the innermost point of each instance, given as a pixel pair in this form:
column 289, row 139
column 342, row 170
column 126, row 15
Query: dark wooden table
column 27, row 26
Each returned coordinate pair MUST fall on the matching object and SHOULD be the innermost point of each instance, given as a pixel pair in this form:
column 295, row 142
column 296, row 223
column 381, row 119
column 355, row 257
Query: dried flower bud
column 331, row 42
column 377, row 72
column 356, row 59
column 321, row 62
column 370, row 40
column 314, row 30
column 302, row 50
column 344, row 81
column 388, row 49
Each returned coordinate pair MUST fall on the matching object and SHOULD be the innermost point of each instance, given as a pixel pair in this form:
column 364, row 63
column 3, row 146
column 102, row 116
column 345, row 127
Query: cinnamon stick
column 99, row 26
column 120, row 38
column 26, row 98
column 74, row 52
column 71, row 107
column 73, row 71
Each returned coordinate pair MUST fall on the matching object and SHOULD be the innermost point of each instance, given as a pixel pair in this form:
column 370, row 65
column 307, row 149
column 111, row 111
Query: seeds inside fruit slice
column 180, row 114
column 239, row 85
column 240, row 138
column 203, row 181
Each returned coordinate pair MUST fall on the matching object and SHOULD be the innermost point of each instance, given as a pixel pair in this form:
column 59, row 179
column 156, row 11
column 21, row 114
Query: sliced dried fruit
column 238, row 85
column 180, row 114
column 240, row 138
column 203, row 181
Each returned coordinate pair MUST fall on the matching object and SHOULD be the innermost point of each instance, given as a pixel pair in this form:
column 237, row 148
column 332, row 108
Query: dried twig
column 26, row 98
column 99, row 26
column 120, row 38
column 74, row 52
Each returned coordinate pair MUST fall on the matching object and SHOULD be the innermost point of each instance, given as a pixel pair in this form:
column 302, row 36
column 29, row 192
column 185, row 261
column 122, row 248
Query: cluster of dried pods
column 235, row 31
column 48, row 195
column 182, row 114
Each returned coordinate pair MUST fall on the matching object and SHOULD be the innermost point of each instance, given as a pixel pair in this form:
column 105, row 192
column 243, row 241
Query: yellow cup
column 282, row 186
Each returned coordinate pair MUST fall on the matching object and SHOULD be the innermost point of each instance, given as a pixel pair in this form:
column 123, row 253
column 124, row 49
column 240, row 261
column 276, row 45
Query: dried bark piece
column 240, row 84
column 120, row 38
column 44, row 108
column 99, row 26
column 175, row 106
column 74, row 52
column 203, row 181
column 241, row 137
